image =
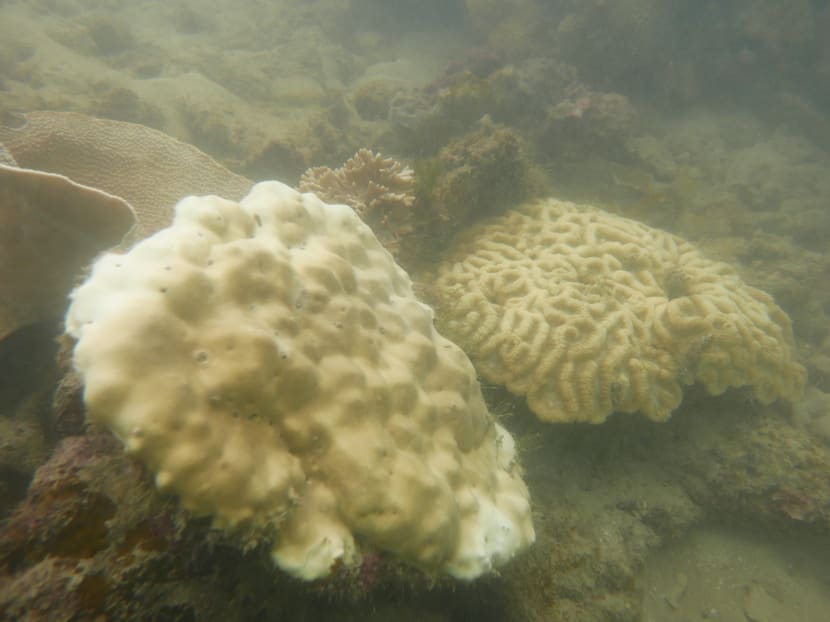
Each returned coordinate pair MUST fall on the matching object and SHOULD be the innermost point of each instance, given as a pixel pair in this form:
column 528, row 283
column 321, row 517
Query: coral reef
column 587, row 314
column 50, row 229
column 631, row 43
column 23, row 447
column 94, row 538
column 793, row 275
column 284, row 159
column 748, row 197
column 474, row 176
column 270, row 364
column 420, row 125
column 472, row 86
column 6, row 157
column 745, row 50
column 515, row 28
column 716, row 132
column 396, row 16
column 147, row 168
column 769, row 470
column 372, row 98
column 122, row 104
column 26, row 384
column 479, row 62
column 90, row 519
column 380, row 190
column 609, row 496
column 477, row 175
column 586, row 122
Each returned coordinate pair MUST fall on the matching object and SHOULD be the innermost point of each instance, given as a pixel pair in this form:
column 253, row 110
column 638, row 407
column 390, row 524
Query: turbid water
column 704, row 120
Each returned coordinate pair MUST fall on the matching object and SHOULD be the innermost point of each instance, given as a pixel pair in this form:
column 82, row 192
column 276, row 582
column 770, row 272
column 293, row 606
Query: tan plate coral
column 270, row 364
column 587, row 313
column 50, row 229
column 148, row 168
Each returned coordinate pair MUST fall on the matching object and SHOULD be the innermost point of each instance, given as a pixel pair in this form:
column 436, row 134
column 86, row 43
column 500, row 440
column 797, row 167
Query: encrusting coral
column 381, row 191
column 587, row 313
column 268, row 361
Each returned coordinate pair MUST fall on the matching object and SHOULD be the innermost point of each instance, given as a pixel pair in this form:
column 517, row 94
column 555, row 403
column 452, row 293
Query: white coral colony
column 268, row 361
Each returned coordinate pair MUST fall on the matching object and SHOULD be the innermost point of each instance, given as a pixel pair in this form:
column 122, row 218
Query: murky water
column 618, row 211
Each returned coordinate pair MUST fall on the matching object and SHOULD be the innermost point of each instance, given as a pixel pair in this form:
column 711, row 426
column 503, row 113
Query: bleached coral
column 268, row 361
column 587, row 313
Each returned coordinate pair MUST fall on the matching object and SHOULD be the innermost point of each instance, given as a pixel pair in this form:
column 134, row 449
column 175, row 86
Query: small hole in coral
column 258, row 220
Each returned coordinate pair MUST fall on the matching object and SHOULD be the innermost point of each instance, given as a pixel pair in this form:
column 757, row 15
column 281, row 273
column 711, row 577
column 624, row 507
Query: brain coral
column 270, row 364
column 587, row 313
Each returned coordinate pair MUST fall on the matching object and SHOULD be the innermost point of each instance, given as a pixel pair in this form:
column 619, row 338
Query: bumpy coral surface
column 587, row 313
column 270, row 364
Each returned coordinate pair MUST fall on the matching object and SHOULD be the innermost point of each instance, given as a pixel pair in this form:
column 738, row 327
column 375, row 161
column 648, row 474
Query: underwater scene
column 415, row 311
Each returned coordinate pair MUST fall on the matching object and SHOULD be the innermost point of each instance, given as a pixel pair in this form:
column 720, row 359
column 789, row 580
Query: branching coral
column 380, row 190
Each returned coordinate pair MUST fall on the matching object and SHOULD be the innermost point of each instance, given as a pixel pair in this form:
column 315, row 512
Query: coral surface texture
column 269, row 363
column 587, row 313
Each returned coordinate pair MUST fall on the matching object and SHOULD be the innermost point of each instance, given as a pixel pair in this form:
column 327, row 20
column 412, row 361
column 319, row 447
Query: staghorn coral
column 587, row 313
column 380, row 190
column 269, row 362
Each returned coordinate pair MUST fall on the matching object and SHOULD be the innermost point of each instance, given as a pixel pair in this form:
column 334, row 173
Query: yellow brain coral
column 587, row 313
column 270, row 364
